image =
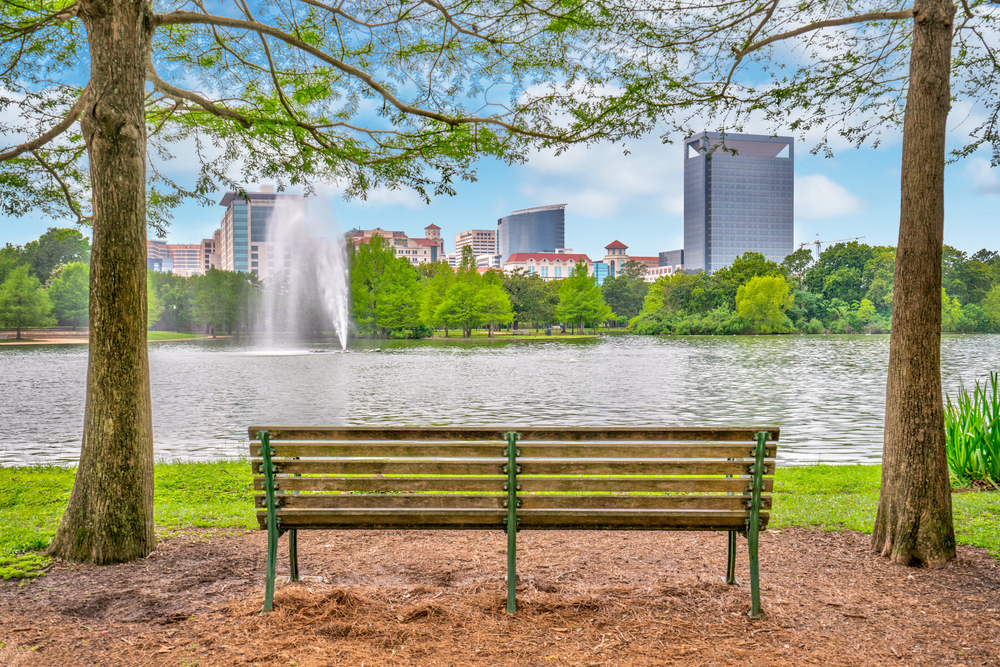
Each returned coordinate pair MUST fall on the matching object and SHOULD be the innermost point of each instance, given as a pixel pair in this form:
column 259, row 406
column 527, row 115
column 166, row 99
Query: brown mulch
column 437, row 598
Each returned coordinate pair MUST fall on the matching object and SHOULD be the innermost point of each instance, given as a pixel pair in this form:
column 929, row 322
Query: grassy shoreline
column 220, row 495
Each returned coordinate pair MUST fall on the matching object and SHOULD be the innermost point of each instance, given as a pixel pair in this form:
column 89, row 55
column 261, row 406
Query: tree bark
column 110, row 513
column 914, row 521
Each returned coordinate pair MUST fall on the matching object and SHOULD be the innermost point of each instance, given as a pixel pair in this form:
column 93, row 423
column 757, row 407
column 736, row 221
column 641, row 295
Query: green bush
column 972, row 429
column 814, row 326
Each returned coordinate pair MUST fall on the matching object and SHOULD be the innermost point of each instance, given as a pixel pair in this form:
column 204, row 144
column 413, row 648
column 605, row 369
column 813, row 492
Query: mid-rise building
column 415, row 250
column 181, row 259
column 245, row 242
column 209, row 252
column 483, row 241
column 547, row 265
column 738, row 197
column 617, row 256
column 535, row 230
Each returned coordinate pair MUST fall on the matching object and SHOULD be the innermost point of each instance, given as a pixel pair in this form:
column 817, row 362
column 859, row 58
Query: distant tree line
column 848, row 289
column 45, row 282
column 391, row 297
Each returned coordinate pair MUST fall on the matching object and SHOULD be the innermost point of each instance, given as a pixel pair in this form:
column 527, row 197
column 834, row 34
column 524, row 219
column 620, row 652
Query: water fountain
column 303, row 267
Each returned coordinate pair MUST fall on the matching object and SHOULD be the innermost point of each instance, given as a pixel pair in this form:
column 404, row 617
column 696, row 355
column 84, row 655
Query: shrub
column 972, row 430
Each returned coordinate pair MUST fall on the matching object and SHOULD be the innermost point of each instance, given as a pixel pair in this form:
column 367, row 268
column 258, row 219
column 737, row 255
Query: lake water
column 827, row 393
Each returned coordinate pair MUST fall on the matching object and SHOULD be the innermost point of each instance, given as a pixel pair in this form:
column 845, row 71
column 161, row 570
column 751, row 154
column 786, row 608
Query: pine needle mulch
column 437, row 598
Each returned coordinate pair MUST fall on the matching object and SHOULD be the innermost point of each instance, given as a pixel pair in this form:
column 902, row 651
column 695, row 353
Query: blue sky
column 638, row 199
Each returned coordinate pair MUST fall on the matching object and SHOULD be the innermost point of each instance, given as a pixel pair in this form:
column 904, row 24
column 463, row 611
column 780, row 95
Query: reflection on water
column 826, row 392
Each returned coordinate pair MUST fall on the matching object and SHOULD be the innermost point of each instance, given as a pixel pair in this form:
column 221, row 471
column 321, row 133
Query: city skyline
column 853, row 194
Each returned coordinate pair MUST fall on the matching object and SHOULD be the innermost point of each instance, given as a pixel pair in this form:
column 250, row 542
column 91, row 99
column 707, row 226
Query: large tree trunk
column 914, row 523
column 110, row 513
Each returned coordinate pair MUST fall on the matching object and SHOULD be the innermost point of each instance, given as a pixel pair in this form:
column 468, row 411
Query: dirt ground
column 437, row 598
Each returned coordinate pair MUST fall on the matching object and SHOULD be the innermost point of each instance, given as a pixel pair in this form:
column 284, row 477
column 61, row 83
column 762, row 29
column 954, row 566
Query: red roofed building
column 415, row 250
column 618, row 255
column 547, row 265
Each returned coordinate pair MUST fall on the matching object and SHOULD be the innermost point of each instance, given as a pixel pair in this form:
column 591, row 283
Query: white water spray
column 304, row 270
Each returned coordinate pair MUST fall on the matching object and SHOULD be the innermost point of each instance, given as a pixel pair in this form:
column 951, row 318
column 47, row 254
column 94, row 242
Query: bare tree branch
column 189, row 18
column 63, row 125
column 830, row 23
column 179, row 94
column 80, row 220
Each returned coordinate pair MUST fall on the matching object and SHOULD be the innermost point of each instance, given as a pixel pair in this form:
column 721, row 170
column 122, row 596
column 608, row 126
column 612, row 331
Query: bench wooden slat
column 373, row 484
column 578, row 433
column 528, row 485
column 440, row 500
column 386, row 500
column 387, row 467
column 549, row 449
column 555, row 519
column 635, row 467
column 640, row 484
column 400, row 519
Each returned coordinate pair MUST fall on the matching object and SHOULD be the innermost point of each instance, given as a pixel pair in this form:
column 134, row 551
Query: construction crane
column 819, row 244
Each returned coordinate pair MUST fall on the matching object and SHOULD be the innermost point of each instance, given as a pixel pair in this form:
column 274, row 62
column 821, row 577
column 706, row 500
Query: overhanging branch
column 195, row 18
column 63, row 125
column 830, row 23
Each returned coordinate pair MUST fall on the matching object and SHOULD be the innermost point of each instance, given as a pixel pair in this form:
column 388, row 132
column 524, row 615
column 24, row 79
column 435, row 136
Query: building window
column 254, row 248
column 558, row 272
column 545, row 272
column 253, row 264
column 253, row 255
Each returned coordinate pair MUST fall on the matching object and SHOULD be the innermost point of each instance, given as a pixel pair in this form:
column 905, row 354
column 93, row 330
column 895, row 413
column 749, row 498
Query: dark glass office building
column 738, row 196
column 540, row 229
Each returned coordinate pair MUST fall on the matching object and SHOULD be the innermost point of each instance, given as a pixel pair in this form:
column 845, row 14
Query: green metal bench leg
column 753, row 530
column 293, row 555
column 512, row 522
column 272, row 522
column 731, row 562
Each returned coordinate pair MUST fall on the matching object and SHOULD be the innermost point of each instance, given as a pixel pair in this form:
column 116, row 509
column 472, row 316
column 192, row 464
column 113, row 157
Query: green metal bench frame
column 753, row 525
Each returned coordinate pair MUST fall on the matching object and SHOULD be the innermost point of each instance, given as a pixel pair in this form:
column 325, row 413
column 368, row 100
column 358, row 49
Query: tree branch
column 189, row 18
column 71, row 116
column 179, row 94
column 80, row 220
column 819, row 25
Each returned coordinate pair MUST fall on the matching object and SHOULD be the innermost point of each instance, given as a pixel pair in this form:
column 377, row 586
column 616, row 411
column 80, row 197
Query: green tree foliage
column 371, row 267
column 762, row 302
column 70, row 293
column 461, row 306
column 531, row 298
column 398, row 310
column 580, row 299
column 11, row 257
column 154, row 309
column 746, row 266
column 795, row 265
column 23, row 302
column 991, row 306
column 624, row 294
column 435, row 291
column 951, row 312
column 56, row 247
column 493, row 306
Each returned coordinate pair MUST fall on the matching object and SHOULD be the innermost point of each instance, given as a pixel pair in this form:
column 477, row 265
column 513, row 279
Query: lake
column 827, row 393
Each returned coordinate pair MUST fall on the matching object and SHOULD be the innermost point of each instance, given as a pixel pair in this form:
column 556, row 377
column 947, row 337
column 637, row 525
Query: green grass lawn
column 171, row 335
column 220, row 495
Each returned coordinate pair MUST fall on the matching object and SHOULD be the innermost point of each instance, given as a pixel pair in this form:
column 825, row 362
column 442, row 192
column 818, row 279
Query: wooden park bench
column 494, row 478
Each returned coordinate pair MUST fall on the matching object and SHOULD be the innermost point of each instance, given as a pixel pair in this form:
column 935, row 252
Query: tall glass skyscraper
column 540, row 229
column 738, row 196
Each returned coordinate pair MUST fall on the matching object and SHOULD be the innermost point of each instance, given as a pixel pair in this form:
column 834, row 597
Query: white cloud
column 383, row 196
column 985, row 180
column 602, row 181
column 816, row 196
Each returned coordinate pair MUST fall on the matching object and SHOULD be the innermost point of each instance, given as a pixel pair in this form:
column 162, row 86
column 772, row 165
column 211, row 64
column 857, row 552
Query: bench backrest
column 560, row 478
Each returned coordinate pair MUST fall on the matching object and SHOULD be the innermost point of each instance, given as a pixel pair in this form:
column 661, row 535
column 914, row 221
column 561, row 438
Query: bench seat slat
column 387, row 467
column 429, row 466
column 635, row 467
column 528, row 485
column 438, row 500
column 714, row 450
column 543, row 519
column 554, row 519
column 577, row 433
column 400, row 519
column 387, row 484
